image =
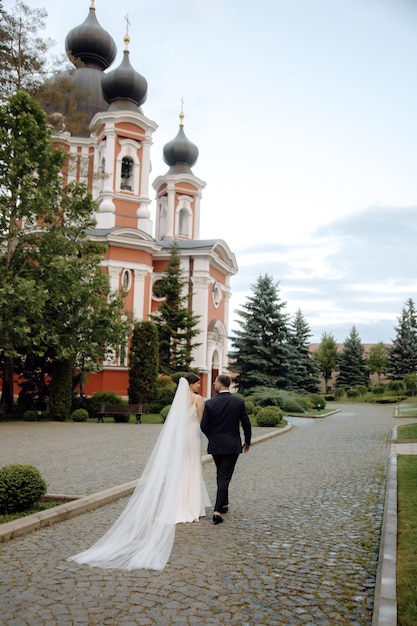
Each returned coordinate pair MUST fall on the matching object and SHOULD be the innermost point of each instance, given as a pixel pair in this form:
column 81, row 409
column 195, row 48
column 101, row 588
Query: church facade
column 114, row 159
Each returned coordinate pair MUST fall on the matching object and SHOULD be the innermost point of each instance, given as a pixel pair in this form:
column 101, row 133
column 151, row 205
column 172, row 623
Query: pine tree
column 402, row 358
column 262, row 354
column 143, row 363
column 326, row 357
column 353, row 369
column 305, row 366
column 177, row 325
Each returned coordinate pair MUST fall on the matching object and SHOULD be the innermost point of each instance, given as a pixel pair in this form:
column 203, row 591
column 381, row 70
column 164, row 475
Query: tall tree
column 22, row 50
column 326, row 356
column 353, row 369
column 143, row 363
column 262, row 354
column 378, row 359
column 24, row 65
column 55, row 299
column 175, row 320
column 403, row 352
column 305, row 366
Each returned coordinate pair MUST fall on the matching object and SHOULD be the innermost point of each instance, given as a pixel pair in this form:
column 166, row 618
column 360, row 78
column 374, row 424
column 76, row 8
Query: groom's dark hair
column 224, row 380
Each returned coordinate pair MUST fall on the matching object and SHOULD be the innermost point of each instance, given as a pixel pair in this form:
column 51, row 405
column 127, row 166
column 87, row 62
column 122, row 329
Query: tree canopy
column 262, row 354
column 402, row 355
column 352, row 363
column 55, row 299
column 176, row 323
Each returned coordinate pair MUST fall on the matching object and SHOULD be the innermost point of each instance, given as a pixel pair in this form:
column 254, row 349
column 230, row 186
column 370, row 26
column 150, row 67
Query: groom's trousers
column 225, row 464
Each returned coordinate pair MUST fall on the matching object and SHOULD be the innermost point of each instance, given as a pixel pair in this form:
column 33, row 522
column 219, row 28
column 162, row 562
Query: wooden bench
column 121, row 409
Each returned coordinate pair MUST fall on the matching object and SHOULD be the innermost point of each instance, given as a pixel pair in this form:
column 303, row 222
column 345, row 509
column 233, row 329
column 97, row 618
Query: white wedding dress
column 170, row 490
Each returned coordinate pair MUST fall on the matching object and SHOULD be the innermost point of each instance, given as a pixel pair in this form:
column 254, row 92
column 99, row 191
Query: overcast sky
column 304, row 113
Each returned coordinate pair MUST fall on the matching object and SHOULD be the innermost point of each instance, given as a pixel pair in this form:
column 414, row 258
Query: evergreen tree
column 22, row 50
column 177, row 325
column 24, row 66
column 378, row 359
column 402, row 358
column 353, row 369
column 262, row 354
column 143, row 363
column 305, row 366
column 326, row 357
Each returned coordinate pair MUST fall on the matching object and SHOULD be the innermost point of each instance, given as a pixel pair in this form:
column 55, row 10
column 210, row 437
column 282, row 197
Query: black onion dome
column 91, row 44
column 124, row 84
column 180, row 153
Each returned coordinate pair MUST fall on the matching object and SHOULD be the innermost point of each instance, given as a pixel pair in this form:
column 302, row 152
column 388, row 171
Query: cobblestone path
column 298, row 547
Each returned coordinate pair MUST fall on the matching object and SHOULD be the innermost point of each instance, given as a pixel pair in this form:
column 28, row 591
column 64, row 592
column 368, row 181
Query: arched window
column 183, row 222
column 126, row 178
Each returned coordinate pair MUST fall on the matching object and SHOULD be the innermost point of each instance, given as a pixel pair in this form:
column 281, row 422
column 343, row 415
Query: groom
column 220, row 423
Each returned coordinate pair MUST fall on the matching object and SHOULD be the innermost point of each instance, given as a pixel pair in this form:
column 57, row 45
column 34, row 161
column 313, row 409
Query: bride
column 170, row 490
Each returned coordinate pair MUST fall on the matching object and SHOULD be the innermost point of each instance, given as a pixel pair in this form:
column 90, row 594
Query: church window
column 126, row 280
column 126, row 180
column 183, row 222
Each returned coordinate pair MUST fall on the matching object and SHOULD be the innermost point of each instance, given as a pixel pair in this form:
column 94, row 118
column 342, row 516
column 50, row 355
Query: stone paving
column 299, row 545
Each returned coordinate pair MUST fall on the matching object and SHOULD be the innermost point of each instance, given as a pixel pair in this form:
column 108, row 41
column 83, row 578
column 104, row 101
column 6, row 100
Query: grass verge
column 407, row 538
column 37, row 508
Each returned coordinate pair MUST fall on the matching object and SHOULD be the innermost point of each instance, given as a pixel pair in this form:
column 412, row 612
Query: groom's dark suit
column 221, row 422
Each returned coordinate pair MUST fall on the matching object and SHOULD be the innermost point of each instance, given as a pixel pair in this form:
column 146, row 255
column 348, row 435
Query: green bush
column 291, row 405
column 20, row 487
column 251, row 407
column 353, row 392
column 339, row 393
column 164, row 412
column 165, row 392
column 303, row 402
column 378, row 389
column 269, row 416
column 30, row 416
column 267, row 396
column 317, row 401
column 79, row 415
column 103, row 397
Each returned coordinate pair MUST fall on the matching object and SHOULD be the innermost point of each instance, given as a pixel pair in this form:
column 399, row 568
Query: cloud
column 358, row 271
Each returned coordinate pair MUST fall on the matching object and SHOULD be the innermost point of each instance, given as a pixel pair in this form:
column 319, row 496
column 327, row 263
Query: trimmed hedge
column 269, row 416
column 20, row 487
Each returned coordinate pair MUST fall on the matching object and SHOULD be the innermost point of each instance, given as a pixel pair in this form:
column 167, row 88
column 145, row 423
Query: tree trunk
column 7, row 389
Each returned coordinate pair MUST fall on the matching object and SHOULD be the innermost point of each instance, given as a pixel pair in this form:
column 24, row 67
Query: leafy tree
column 378, row 359
column 403, row 352
column 410, row 382
column 352, row 362
column 262, row 353
column 55, row 301
column 305, row 367
column 177, row 325
column 326, row 356
column 143, row 363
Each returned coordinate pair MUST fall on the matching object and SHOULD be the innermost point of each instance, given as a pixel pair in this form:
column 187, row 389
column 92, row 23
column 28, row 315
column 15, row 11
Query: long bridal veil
column 143, row 535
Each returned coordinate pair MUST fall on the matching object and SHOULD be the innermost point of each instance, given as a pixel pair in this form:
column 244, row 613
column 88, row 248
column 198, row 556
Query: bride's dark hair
column 192, row 378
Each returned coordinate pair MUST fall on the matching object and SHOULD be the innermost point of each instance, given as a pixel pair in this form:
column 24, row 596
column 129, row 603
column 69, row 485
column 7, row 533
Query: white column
column 169, row 230
column 139, row 294
column 106, row 212
column 114, row 275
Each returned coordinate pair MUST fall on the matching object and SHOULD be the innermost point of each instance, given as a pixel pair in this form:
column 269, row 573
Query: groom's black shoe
column 217, row 519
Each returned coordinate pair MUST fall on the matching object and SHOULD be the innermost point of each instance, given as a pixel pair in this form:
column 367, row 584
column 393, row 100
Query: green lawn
column 407, row 532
